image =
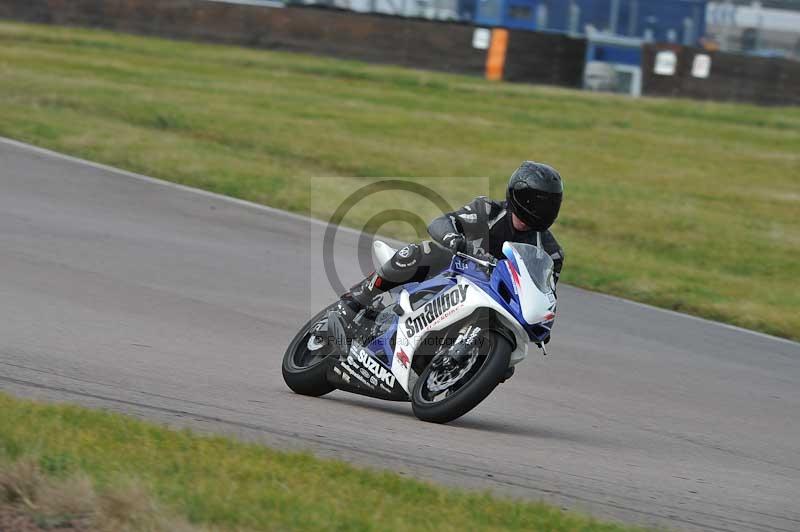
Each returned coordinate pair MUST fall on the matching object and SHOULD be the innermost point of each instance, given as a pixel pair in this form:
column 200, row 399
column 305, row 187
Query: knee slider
column 402, row 265
column 406, row 257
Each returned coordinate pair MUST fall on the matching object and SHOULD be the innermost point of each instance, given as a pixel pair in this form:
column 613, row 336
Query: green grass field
column 685, row 205
column 220, row 484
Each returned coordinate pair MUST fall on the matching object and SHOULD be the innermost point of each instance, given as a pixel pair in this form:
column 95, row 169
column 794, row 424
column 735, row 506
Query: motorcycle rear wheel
column 435, row 405
column 305, row 371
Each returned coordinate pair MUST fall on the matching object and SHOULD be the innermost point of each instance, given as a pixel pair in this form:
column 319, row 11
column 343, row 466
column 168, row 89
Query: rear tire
column 302, row 375
column 480, row 384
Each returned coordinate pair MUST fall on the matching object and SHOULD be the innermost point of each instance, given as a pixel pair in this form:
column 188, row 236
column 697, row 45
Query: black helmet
column 534, row 194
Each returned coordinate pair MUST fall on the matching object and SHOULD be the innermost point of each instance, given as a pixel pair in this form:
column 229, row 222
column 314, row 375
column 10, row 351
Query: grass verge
column 32, row 499
column 221, row 484
column 685, row 205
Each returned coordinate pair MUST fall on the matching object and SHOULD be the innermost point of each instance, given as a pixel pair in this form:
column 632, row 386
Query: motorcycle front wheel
column 306, row 361
column 452, row 386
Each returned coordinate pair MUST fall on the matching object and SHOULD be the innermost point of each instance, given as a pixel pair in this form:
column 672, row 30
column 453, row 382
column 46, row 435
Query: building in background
column 616, row 30
column 767, row 28
column 678, row 21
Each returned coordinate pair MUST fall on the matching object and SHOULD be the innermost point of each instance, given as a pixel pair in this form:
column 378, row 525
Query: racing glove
column 456, row 242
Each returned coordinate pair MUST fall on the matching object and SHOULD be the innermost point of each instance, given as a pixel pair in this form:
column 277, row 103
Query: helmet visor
column 536, row 208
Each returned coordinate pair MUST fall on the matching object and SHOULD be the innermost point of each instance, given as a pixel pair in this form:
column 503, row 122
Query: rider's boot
column 355, row 306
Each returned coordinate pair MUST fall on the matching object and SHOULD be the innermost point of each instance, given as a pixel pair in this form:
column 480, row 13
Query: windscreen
column 539, row 265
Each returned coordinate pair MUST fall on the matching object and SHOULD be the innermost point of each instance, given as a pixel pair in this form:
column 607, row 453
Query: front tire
column 305, row 371
column 478, row 383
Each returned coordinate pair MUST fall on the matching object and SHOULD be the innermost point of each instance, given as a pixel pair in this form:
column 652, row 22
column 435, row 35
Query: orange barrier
column 496, row 58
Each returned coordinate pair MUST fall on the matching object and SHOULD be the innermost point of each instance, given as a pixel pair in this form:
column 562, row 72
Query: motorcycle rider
column 533, row 199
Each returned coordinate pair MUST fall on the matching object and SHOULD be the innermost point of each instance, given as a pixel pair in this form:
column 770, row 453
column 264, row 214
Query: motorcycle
column 443, row 344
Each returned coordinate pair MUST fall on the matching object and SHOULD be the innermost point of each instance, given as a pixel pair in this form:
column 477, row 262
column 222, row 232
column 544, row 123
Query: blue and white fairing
column 520, row 292
column 530, row 269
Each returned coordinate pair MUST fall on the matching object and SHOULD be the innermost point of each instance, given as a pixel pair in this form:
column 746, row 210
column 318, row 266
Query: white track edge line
column 169, row 184
column 308, row 219
column 691, row 317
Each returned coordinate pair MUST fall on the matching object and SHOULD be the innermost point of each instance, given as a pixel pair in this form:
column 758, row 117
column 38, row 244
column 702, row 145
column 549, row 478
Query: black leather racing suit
column 485, row 223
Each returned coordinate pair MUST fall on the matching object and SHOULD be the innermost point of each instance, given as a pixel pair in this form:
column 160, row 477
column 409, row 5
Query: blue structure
column 679, row 21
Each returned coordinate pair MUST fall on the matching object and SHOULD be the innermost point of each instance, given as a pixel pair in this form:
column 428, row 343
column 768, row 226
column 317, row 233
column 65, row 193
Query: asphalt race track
column 128, row 294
